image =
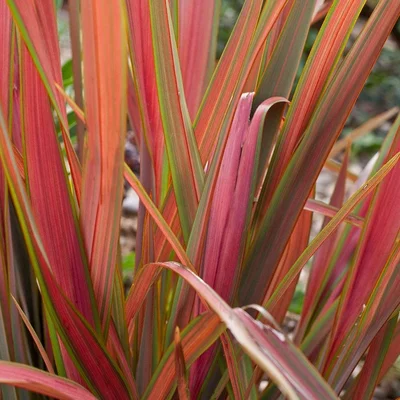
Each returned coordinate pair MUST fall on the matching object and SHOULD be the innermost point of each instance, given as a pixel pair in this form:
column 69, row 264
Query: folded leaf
column 265, row 346
column 309, row 157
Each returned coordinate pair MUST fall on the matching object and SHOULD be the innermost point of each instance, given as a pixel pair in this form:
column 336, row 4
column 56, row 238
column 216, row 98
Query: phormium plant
column 230, row 153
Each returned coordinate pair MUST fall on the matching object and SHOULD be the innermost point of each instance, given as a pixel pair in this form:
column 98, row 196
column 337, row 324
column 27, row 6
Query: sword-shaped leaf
column 301, row 173
column 38, row 381
column 320, row 67
column 197, row 44
column 280, row 359
column 83, row 345
column 183, row 154
column 332, row 225
column 105, row 87
column 36, row 21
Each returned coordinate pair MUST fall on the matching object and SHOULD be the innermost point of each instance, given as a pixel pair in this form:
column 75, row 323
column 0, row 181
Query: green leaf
column 280, row 359
column 355, row 199
column 128, row 261
column 58, row 3
column 67, row 73
column 183, row 155
column 301, row 172
column 296, row 305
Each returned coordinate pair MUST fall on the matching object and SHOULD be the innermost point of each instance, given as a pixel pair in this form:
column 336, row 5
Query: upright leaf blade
column 367, row 380
column 319, row 273
column 59, row 231
column 233, row 367
column 197, row 36
column 319, row 69
column 36, row 21
column 219, row 104
column 180, row 368
column 233, row 198
column 102, row 184
column 5, row 61
column 379, row 236
column 357, row 197
column 83, row 345
column 6, row 100
column 297, row 244
column 183, row 155
column 227, row 83
column 309, row 157
column 282, row 66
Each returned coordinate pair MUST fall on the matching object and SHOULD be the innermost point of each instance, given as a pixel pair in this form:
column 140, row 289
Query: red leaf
column 196, row 20
column 102, row 184
column 35, row 380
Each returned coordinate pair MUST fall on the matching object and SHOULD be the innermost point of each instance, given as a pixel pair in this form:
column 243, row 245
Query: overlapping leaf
column 37, row 25
column 83, row 345
column 59, row 231
column 357, row 197
column 229, row 198
column 310, row 155
column 264, row 345
column 41, row 382
column 102, row 183
column 319, row 272
column 183, row 155
column 197, row 40
column 379, row 235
